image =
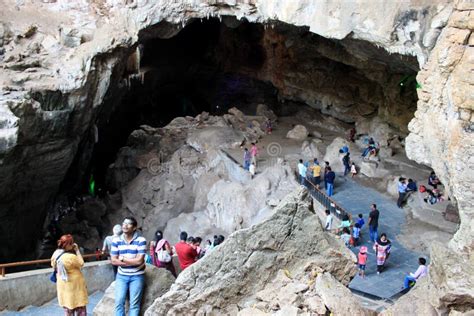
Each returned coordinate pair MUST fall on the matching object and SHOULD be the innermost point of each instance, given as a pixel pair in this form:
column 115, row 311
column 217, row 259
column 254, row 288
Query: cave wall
column 72, row 48
column 348, row 79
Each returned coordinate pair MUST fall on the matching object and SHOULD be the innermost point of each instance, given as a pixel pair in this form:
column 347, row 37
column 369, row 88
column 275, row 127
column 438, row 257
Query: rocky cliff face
column 441, row 136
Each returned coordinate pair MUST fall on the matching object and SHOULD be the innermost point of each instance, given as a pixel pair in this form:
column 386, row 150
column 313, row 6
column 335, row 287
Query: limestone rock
column 451, row 214
column 262, row 250
column 316, row 134
column 157, row 282
column 92, row 211
column 263, row 110
column 312, row 149
column 214, row 137
column 249, row 311
column 376, row 128
column 335, row 158
column 373, row 169
column 231, row 205
column 237, row 113
column 299, row 132
column 288, row 310
column 338, row 298
column 316, row 305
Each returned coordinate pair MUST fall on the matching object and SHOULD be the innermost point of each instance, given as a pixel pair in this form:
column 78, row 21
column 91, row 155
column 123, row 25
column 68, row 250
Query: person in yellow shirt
column 71, row 285
column 316, row 169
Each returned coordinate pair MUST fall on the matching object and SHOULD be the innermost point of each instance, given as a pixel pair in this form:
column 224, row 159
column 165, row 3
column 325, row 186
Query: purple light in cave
column 233, row 84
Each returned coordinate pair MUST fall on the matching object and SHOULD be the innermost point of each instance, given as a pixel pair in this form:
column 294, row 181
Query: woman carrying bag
column 161, row 253
column 72, row 290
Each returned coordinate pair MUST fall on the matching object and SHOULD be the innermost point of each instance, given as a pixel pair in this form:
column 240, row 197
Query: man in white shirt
column 420, row 272
column 301, row 171
column 328, row 225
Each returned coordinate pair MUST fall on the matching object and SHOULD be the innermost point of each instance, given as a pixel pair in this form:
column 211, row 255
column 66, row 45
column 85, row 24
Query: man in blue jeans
column 373, row 222
column 329, row 178
column 128, row 253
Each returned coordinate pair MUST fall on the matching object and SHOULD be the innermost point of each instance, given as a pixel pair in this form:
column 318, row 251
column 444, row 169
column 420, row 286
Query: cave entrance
column 181, row 76
column 212, row 66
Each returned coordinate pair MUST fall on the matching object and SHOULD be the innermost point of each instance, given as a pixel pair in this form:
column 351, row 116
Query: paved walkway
column 53, row 309
column 356, row 199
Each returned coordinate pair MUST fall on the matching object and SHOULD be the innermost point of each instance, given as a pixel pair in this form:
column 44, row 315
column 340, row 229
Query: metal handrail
column 326, row 201
column 3, row 266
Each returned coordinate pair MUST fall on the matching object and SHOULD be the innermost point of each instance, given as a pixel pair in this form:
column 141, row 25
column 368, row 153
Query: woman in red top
column 161, row 244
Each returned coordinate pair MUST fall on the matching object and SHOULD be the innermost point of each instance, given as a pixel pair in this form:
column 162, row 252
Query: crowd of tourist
column 128, row 254
column 127, row 250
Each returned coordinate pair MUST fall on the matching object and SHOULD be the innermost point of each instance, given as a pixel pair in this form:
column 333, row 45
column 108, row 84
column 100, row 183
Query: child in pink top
column 362, row 260
column 254, row 153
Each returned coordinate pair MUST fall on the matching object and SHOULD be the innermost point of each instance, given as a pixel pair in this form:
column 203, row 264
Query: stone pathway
column 356, row 199
column 53, row 309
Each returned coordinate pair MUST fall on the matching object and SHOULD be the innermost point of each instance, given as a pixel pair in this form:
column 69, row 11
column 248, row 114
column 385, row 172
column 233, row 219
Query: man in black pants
column 402, row 191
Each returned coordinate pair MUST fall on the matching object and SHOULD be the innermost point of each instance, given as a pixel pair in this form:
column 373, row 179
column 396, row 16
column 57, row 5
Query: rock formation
column 445, row 113
column 220, row 195
column 287, row 261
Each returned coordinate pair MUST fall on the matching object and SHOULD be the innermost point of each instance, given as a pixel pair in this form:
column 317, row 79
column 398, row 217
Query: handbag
column 53, row 278
column 163, row 255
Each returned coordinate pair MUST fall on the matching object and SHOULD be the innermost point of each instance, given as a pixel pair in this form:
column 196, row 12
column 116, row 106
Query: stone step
column 52, row 308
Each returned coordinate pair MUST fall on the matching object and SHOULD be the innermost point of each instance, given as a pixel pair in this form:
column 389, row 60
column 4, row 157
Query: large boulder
column 214, row 137
column 231, row 205
column 335, row 158
column 373, row 169
column 292, row 240
column 237, row 113
column 312, row 149
column 299, row 132
column 157, row 282
column 263, row 110
column 338, row 298
column 378, row 129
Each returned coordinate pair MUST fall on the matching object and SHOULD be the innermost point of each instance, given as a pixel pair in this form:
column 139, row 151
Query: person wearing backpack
column 162, row 253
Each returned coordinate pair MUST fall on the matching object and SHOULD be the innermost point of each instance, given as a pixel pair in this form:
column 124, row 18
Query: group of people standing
column 128, row 254
column 315, row 174
column 350, row 233
column 188, row 250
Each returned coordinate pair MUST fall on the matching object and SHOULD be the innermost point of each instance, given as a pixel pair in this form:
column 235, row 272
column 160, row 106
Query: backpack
column 161, row 253
column 422, row 189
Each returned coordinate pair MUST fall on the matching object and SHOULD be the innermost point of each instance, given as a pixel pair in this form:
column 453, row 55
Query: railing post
column 2, row 271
